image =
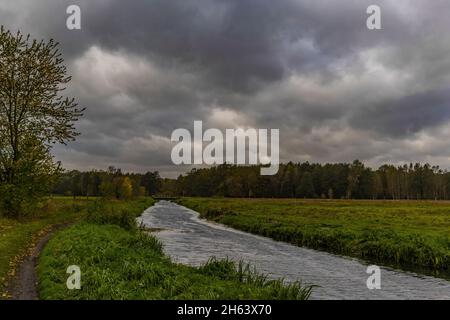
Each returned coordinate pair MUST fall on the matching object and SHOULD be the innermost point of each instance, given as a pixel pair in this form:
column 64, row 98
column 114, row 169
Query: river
column 190, row 240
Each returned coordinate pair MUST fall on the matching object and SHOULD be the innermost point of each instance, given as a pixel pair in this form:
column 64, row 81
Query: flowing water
column 190, row 240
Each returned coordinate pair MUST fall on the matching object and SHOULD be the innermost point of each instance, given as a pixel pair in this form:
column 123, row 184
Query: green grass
column 413, row 235
column 16, row 237
column 117, row 262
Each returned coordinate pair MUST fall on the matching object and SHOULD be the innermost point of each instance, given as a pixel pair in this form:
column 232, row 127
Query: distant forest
column 294, row 180
column 112, row 183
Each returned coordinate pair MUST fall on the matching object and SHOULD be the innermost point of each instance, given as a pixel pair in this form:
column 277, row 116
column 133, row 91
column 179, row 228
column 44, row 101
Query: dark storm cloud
column 336, row 90
column 405, row 116
column 238, row 44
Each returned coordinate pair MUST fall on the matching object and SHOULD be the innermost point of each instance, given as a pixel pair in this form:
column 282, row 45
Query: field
column 18, row 236
column 412, row 235
column 119, row 261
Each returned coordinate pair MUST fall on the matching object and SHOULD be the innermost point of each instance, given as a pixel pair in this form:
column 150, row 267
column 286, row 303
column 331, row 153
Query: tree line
column 110, row 183
column 312, row 180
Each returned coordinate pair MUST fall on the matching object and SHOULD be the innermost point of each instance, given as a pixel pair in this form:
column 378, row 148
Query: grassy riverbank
column 118, row 261
column 413, row 235
column 17, row 236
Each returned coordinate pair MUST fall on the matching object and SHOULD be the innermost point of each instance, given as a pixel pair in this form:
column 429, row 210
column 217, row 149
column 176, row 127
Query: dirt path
column 24, row 285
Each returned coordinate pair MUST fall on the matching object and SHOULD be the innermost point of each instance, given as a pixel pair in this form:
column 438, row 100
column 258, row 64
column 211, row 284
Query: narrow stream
column 190, row 240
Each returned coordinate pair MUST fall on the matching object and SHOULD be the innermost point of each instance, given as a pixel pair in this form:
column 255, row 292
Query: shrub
column 100, row 213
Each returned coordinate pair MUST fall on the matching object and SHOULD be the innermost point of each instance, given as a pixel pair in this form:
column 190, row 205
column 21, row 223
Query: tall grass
column 119, row 213
column 242, row 272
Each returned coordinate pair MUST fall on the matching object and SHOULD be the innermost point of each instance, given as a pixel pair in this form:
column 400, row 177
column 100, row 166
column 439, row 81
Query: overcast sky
column 336, row 90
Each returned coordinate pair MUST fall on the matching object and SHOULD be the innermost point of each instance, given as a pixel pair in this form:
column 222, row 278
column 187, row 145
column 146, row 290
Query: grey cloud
column 405, row 116
column 336, row 90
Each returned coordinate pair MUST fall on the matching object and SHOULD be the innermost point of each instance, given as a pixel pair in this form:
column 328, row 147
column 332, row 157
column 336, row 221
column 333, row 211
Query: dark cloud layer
column 406, row 115
column 336, row 90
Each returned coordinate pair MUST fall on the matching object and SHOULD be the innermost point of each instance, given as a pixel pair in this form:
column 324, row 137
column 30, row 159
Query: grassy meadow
column 412, row 235
column 119, row 261
column 17, row 236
